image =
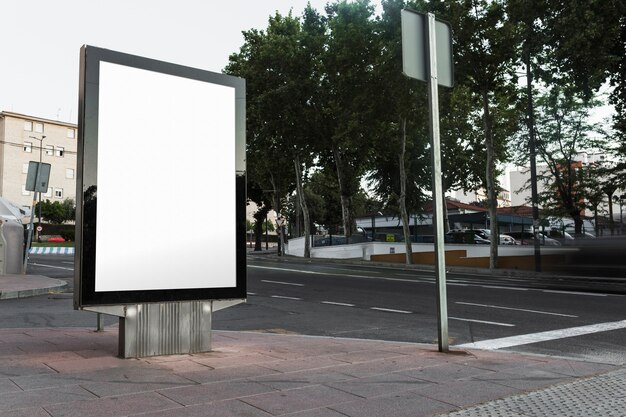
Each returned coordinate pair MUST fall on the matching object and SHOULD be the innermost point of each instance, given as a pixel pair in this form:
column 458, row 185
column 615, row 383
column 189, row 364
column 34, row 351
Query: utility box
column 11, row 247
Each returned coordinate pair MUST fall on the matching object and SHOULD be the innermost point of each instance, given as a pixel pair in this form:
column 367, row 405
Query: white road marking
column 495, row 323
column 576, row 293
column 282, row 283
column 504, row 288
column 457, row 284
column 526, row 339
column 515, row 309
column 286, row 298
column 391, row 310
column 53, row 266
column 337, row 304
column 251, row 293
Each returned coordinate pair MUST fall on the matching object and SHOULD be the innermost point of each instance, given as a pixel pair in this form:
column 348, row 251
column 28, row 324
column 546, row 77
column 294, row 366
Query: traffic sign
column 39, row 228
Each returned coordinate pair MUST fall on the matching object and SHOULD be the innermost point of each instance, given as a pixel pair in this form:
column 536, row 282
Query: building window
column 24, row 190
column 48, row 193
column 39, row 127
column 28, row 126
column 69, row 173
column 24, row 168
column 59, row 151
column 28, row 147
column 49, row 150
column 58, row 193
column 71, row 133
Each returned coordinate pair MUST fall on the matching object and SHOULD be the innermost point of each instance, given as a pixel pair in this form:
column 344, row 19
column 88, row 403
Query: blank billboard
column 161, row 182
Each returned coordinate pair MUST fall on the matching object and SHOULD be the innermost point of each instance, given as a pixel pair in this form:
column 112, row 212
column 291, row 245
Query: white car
column 507, row 240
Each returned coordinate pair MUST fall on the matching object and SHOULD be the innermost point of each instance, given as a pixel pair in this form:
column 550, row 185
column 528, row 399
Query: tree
column 347, row 96
column 563, row 131
column 279, row 65
column 56, row 212
column 485, row 53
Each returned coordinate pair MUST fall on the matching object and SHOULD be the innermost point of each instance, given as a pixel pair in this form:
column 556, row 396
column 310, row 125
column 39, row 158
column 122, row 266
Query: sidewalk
column 20, row 286
column 75, row 373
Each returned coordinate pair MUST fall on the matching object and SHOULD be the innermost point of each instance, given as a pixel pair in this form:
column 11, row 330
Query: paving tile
column 43, row 397
column 228, row 408
column 7, row 385
column 378, row 385
column 81, row 365
column 112, row 406
column 366, row 356
column 227, row 374
column 20, row 368
column 406, row 404
column 445, row 372
column 466, row 392
column 574, row 368
column 317, row 412
column 182, row 366
column 387, row 365
column 236, row 360
column 133, row 374
column 291, row 365
column 204, row 393
column 290, row 380
column 301, row 399
column 25, row 412
column 524, row 378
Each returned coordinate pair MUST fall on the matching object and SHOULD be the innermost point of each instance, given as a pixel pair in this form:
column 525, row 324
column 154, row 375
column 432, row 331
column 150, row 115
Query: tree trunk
column 402, row 200
column 344, row 196
column 491, row 185
column 277, row 209
column 305, row 209
column 609, row 194
column 259, row 216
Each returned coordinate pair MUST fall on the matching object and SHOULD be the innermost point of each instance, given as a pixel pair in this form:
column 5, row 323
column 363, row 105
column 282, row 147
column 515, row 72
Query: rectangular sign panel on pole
column 414, row 47
column 161, row 182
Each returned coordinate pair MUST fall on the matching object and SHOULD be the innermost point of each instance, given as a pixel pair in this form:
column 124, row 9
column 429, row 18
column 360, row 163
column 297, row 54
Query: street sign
column 39, row 228
column 414, row 47
column 35, row 183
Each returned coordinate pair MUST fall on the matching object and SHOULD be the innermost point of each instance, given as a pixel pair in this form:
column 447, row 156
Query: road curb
column 23, row 286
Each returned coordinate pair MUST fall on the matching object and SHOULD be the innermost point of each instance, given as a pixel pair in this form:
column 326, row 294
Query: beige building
column 27, row 138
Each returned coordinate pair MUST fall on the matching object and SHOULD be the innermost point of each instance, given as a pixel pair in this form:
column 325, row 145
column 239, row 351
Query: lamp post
column 40, row 161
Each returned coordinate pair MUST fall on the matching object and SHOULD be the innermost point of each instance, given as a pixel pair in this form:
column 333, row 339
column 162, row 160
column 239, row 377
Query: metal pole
column 440, row 261
column 40, row 161
column 100, row 322
column 32, row 218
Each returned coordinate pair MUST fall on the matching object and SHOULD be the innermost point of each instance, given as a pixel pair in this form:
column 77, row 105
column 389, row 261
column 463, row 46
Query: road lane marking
column 576, row 293
column 391, row 310
column 495, row 323
column 338, row 304
column 53, row 266
column 504, row 288
column 286, row 298
column 515, row 309
column 251, row 293
column 526, row 339
column 282, row 283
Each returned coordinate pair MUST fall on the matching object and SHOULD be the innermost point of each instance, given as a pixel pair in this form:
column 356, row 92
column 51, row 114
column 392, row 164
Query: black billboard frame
column 85, row 294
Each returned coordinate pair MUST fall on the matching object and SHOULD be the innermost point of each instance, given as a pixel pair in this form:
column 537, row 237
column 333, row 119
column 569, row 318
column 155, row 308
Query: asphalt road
column 374, row 302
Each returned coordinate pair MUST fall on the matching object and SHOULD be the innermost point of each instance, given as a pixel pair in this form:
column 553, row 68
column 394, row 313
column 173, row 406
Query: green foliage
column 57, row 212
column 326, row 90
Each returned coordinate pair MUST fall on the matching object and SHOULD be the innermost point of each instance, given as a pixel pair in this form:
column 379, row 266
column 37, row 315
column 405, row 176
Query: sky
column 39, row 57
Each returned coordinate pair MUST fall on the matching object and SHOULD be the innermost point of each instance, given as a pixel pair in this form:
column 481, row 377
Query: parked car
column 465, row 236
column 56, row 239
column 527, row 238
column 507, row 240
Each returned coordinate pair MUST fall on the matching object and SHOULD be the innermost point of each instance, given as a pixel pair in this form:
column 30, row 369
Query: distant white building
column 24, row 138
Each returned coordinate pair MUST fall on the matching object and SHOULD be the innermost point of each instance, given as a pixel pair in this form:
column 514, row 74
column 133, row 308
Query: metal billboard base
column 172, row 328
